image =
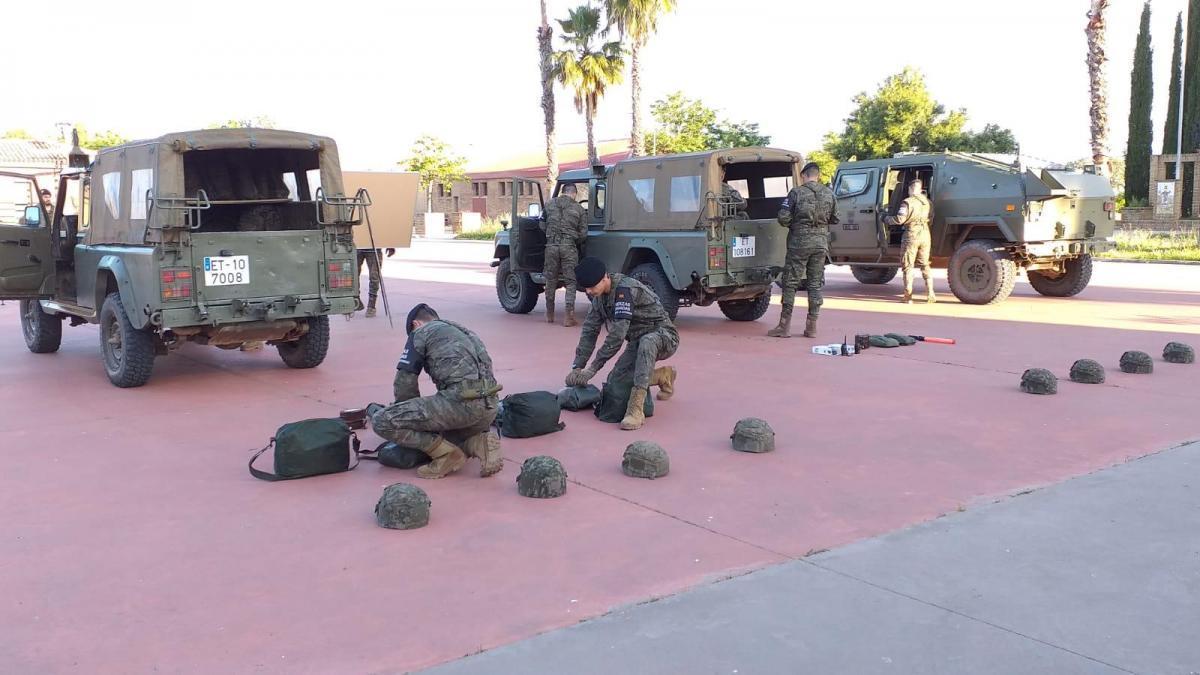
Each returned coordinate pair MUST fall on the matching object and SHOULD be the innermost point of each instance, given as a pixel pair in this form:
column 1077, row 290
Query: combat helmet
column 643, row 459
column 542, row 477
column 1039, row 381
column 753, row 435
column 402, row 507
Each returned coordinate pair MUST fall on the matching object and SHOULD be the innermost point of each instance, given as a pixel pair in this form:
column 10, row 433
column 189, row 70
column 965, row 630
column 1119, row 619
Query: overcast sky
column 376, row 75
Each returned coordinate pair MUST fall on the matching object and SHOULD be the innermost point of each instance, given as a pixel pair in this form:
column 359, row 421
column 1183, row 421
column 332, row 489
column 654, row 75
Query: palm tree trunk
column 637, row 142
column 1098, row 83
column 547, row 66
column 589, row 113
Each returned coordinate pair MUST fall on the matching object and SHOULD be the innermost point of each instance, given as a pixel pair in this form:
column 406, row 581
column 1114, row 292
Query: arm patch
column 411, row 361
column 623, row 304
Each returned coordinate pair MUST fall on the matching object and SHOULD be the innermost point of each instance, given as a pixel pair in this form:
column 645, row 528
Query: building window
column 503, row 189
column 1170, row 171
column 483, row 189
column 475, row 188
column 444, row 190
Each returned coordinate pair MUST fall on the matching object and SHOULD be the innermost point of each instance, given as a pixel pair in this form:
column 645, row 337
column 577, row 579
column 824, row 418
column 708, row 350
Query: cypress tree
column 1141, row 132
column 1191, row 79
column 1171, row 129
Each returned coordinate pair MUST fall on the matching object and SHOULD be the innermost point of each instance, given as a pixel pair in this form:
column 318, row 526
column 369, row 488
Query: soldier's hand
column 580, row 376
column 391, row 252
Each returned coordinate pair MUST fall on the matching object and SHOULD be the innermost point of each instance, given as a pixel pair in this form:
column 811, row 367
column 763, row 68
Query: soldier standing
column 455, row 422
column 913, row 215
column 807, row 212
column 373, row 259
column 566, row 231
column 48, row 205
column 633, row 314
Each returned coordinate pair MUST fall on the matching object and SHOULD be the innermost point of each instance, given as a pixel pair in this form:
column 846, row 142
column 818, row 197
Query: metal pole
column 1179, row 144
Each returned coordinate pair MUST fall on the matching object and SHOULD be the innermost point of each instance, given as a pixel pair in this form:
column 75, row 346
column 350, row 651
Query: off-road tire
column 43, row 332
column 981, row 273
column 128, row 352
column 310, row 350
column 1075, row 279
column 652, row 275
column 516, row 291
column 873, row 275
column 751, row 309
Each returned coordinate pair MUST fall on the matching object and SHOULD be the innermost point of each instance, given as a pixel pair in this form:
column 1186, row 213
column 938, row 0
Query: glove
column 580, row 376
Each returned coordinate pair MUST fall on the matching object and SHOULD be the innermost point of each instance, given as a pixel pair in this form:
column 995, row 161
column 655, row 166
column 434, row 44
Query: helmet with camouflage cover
column 883, row 341
column 644, row 459
column 1039, row 381
column 1138, row 363
column 1087, row 371
column 402, row 507
column 1179, row 352
column 542, row 477
column 902, row 339
column 753, row 435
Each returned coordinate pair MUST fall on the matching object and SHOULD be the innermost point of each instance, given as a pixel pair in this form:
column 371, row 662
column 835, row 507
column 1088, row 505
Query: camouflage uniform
column 807, row 212
column 738, row 208
column 913, row 215
column 372, row 259
column 633, row 314
column 465, row 403
column 566, row 231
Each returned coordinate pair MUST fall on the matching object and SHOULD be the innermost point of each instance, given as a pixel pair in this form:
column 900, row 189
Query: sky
column 375, row 75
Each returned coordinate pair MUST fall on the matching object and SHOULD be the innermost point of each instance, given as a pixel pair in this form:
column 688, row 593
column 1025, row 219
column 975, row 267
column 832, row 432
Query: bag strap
column 355, row 445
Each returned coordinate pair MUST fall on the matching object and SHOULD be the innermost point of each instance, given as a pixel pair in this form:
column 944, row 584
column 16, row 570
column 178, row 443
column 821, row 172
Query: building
column 41, row 159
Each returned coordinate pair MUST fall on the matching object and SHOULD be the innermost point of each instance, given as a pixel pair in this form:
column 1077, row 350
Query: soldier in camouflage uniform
column 914, row 215
column 373, row 259
column 455, row 422
column 566, row 231
column 633, row 314
column 735, row 200
column 807, row 212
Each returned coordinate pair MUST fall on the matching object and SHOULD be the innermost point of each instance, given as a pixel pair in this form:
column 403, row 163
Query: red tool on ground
column 935, row 340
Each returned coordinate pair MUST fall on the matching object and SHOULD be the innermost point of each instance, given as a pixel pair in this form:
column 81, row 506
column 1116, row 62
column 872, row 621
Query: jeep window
column 851, row 184
column 289, row 179
column 15, row 195
column 314, row 181
column 777, row 187
column 643, row 191
column 741, row 185
column 685, row 194
column 141, row 181
column 256, row 190
column 112, row 193
column 599, row 210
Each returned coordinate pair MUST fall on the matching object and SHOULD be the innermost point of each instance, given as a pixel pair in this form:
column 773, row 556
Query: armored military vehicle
column 989, row 219
column 666, row 221
column 220, row 237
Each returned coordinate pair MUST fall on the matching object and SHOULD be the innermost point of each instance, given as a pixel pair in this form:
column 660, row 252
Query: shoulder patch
column 623, row 303
column 411, row 361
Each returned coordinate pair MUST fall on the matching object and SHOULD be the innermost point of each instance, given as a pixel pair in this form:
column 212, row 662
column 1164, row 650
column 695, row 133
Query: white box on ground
column 435, row 225
column 472, row 221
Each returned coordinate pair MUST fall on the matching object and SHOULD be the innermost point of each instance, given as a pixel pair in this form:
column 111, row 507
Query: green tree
column 432, row 160
column 99, row 140
column 1171, row 128
column 902, row 116
column 586, row 67
column 1191, row 79
column 727, row 134
column 687, row 125
column 1141, row 126
column 826, row 161
column 17, row 134
column 636, row 20
column 260, row 122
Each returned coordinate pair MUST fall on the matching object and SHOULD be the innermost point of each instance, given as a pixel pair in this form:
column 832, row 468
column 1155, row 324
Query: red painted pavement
column 134, row 540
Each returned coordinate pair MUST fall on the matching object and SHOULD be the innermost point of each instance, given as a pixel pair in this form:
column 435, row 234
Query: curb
column 1149, row 262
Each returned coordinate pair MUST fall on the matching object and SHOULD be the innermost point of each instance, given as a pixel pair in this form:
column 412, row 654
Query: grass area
column 486, row 234
column 1136, row 244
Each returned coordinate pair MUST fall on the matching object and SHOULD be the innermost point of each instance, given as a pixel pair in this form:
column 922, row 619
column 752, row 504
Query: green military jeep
column 666, row 221
column 220, row 237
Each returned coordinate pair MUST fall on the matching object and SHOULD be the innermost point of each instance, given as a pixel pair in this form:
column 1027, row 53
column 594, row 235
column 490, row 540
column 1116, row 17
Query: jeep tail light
column 176, row 284
column 341, row 274
column 716, row 257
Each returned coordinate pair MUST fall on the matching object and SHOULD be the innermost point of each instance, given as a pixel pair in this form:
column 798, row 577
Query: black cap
column 45, row 192
column 590, row 271
column 412, row 316
column 810, row 167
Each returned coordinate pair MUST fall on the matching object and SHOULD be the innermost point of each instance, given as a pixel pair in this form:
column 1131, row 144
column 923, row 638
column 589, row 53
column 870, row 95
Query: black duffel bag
column 398, row 456
column 614, row 400
column 579, row 398
column 531, row 414
column 310, row 448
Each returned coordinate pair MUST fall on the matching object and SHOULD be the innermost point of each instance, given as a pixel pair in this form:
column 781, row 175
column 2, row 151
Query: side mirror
column 33, row 216
column 534, row 210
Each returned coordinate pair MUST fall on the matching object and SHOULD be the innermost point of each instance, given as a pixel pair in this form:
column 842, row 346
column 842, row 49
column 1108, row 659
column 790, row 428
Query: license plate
column 226, row 270
column 743, row 247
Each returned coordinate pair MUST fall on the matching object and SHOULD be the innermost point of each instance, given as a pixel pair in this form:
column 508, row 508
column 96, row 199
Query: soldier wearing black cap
column 807, row 211
column 455, row 422
column 633, row 314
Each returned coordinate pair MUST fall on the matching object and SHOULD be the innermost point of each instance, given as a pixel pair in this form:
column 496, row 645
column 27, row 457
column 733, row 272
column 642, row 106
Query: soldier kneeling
column 455, row 422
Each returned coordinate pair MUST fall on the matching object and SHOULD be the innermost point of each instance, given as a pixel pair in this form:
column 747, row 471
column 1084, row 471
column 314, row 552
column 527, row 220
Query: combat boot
column 931, row 297
column 370, row 311
column 664, row 379
column 549, row 309
column 447, row 458
column 810, row 327
column 485, row 447
column 907, row 298
column 635, row 413
column 783, row 330
column 570, row 321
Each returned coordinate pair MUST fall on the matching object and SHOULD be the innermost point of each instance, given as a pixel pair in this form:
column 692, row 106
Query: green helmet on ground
column 542, row 477
column 1087, row 371
column 402, row 507
column 1039, row 381
column 1178, row 352
column 1137, row 363
column 643, row 459
column 753, row 435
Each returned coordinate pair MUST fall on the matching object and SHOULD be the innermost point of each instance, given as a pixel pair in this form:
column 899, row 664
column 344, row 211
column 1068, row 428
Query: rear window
column 112, row 193
column 776, row 186
column 643, row 191
column 685, row 194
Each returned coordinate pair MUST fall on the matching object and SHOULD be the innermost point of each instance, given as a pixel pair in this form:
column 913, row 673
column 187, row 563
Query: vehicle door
column 26, row 254
column 857, row 192
column 527, row 239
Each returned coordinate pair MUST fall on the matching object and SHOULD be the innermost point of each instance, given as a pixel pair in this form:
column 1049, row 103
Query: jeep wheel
column 43, row 332
column 652, row 275
column 1075, row 278
column 745, row 310
column 515, row 290
column 128, row 351
column 309, row 351
column 981, row 273
column 873, row 275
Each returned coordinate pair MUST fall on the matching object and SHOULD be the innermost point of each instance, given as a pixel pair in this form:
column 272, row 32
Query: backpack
column 578, row 398
column 398, row 456
column 309, row 448
column 527, row 415
column 614, row 400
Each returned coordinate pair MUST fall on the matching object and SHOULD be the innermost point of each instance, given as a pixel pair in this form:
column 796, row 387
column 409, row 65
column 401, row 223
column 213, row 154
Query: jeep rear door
column 26, row 256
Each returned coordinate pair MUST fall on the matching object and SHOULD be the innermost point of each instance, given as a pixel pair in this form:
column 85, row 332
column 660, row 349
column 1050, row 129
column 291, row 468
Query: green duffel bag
column 530, row 414
column 614, row 400
column 310, row 448
column 578, row 398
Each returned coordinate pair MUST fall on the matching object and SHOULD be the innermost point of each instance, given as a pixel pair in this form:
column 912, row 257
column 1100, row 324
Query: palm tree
column 637, row 20
column 1098, row 83
column 585, row 68
column 546, row 54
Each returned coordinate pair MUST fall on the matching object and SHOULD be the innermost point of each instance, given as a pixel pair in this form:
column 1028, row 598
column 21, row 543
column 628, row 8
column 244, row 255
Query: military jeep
column 989, row 220
column 666, row 221
column 222, row 237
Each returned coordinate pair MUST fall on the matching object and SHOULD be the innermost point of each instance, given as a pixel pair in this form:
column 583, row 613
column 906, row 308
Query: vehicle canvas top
column 671, row 192
column 123, row 176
